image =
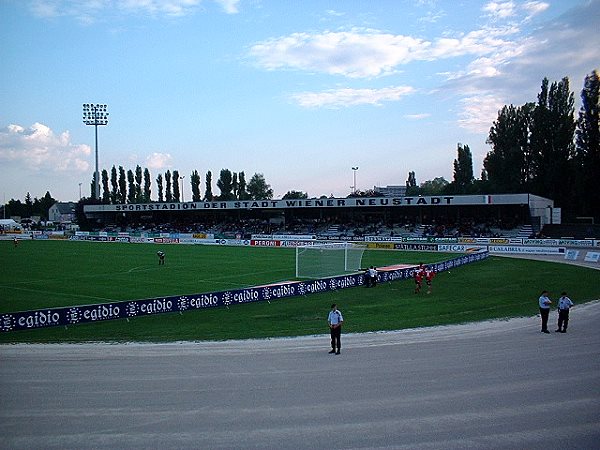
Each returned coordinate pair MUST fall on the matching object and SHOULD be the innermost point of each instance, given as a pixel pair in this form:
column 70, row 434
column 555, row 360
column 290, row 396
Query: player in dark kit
column 161, row 258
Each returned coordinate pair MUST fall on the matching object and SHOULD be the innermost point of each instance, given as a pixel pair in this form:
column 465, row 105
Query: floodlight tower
column 95, row 115
column 354, row 169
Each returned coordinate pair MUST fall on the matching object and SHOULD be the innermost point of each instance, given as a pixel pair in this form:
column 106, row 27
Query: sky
column 299, row 91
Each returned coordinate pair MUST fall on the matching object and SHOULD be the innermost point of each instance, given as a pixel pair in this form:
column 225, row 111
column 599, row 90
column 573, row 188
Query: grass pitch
column 49, row 274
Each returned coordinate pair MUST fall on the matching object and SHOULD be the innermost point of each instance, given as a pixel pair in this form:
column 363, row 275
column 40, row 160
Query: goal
column 328, row 260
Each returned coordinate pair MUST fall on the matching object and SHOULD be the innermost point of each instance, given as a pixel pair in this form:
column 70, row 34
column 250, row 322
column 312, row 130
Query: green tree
column 168, row 194
column 45, row 204
column 14, row 208
column 84, row 223
column 138, row 184
column 588, row 146
column 93, row 186
column 552, row 142
column 114, row 193
column 159, row 183
column 463, row 171
column 225, row 185
column 411, row 184
column 234, row 185
column 147, row 186
column 437, row 186
column 131, row 187
column 242, row 191
column 508, row 166
column 195, row 182
column 366, row 193
column 122, row 185
column 258, row 189
column 105, row 189
column 175, row 182
column 293, row 195
column 208, row 194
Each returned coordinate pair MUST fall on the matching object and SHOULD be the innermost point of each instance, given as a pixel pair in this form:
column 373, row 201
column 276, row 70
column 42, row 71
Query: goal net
column 327, row 260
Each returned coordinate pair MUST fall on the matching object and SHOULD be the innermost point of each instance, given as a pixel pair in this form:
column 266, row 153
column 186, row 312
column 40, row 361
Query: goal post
column 328, row 260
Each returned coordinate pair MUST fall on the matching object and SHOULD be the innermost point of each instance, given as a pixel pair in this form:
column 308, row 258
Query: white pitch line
column 59, row 293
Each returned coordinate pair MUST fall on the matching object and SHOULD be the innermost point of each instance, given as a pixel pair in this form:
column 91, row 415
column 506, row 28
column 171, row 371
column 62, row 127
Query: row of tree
column 135, row 186
column 30, row 208
column 537, row 148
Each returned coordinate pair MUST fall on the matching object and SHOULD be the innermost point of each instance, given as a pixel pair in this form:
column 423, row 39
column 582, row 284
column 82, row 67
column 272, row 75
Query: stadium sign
column 526, row 250
column 27, row 320
column 355, row 202
column 273, row 204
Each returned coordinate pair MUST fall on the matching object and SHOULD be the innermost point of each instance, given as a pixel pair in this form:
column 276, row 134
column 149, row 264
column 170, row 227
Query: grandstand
column 571, row 231
column 507, row 215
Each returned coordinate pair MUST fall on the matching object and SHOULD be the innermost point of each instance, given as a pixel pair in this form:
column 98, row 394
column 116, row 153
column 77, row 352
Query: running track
column 499, row 384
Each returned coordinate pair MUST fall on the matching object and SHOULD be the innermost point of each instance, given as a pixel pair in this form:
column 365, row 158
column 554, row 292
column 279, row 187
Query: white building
column 8, row 225
column 391, row 191
column 62, row 212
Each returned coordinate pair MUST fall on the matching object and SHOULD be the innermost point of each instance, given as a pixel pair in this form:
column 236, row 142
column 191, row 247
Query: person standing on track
column 544, row 302
column 564, row 305
column 335, row 321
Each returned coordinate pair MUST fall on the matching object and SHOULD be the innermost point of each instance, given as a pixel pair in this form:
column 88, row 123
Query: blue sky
column 299, row 91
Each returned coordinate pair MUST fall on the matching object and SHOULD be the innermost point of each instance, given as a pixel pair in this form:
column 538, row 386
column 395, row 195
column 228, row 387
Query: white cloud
column 229, row 6
column 38, row 148
column 349, row 53
column 479, row 112
column 432, row 17
column 500, row 10
column 370, row 53
column 534, row 8
column 334, row 13
column 45, row 8
column 350, row 97
column 417, row 116
column 89, row 11
column 567, row 46
column 159, row 160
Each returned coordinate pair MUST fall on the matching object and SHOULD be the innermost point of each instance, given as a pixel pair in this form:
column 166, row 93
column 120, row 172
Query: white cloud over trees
column 39, row 148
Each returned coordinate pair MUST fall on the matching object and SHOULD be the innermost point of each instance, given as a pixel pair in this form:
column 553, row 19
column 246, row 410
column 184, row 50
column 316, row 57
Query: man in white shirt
column 373, row 276
column 564, row 305
column 335, row 321
column 161, row 257
column 544, row 302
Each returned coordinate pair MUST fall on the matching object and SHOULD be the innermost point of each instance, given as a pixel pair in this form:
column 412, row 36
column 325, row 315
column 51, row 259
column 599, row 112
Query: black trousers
column 563, row 319
column 336, row 338
column 544, row 312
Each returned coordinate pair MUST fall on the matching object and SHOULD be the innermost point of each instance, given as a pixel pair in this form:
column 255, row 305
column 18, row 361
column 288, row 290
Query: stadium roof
column 532, row 201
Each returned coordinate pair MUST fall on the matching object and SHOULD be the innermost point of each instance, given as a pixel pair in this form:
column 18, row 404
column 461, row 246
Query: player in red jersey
column 429, row 275
column 419, row 273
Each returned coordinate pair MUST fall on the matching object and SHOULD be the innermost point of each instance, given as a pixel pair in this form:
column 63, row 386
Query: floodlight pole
column 354, row 169
column 95, row 115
